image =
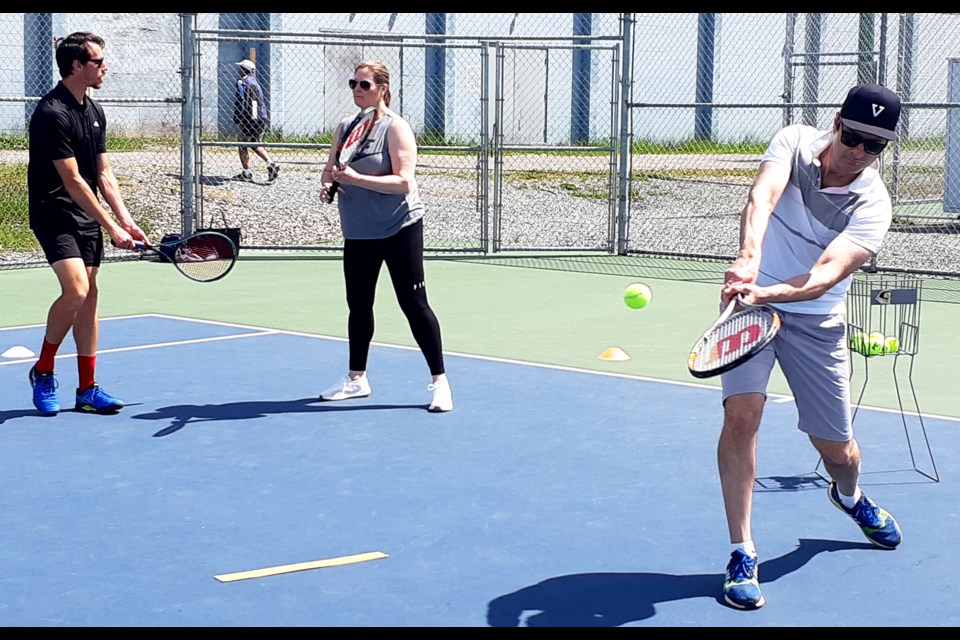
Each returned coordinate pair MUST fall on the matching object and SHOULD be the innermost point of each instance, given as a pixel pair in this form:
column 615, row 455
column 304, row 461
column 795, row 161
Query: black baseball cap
column 872, row 108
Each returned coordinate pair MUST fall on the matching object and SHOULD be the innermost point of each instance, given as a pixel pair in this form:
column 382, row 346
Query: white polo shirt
column 807, row 217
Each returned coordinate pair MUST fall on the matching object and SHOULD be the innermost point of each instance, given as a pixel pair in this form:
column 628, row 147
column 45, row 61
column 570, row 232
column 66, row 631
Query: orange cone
column 614, row 354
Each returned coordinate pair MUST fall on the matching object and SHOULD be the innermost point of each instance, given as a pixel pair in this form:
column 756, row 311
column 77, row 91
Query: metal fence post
column 187, row 132
column 626, row 140
column 951, row 174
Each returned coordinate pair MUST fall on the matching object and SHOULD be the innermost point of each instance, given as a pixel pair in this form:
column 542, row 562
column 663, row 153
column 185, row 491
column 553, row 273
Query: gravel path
column 569, row 209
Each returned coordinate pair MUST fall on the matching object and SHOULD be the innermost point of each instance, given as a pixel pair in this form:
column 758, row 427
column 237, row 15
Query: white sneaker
column 345, row 388
column 442, row 397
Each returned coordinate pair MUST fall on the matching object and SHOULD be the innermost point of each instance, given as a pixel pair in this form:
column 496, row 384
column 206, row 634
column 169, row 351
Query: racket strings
column 733, row 338
column 205, row 258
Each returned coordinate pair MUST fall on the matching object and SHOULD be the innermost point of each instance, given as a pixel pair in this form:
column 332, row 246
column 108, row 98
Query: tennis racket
column 204, row 257
column 350, row 142
column 735, row 337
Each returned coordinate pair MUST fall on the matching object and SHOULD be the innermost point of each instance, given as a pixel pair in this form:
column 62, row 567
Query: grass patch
column 700, row 147
column 15, row 230
column 694, row 174
column 115, row 142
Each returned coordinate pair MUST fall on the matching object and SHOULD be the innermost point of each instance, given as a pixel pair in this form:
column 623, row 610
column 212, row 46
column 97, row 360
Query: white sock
column 849, row 501
column 747, row 547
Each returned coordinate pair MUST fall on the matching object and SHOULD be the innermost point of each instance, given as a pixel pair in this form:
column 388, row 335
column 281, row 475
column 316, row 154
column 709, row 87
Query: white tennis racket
column 735, row 337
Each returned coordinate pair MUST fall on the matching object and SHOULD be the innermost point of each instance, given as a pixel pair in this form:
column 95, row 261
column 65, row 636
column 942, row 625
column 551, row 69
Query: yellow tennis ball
column 891, row 345
column 637, row 296
column 875, row 343
column 858, row 341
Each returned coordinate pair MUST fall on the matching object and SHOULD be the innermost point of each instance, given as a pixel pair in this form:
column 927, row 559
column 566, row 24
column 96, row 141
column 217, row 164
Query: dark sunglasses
column 873, row 147
column 366, row 85
column 96, row 61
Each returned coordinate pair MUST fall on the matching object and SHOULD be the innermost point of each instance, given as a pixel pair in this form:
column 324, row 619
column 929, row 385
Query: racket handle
column 332, row 190
column 138, row 245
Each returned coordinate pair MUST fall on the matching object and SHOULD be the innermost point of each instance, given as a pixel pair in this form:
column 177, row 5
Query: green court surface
column 556, row 310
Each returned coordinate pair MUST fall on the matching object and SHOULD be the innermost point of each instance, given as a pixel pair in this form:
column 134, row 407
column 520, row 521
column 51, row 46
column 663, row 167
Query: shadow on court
column 180, row 416
column 536, row 504
column 615, row 599
column 32, row 414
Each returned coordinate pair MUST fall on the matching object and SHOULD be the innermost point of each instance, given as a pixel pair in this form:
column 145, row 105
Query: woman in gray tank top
column 381, row 217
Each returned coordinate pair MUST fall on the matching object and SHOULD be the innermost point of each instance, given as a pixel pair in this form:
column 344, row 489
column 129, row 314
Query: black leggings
column 403, row 253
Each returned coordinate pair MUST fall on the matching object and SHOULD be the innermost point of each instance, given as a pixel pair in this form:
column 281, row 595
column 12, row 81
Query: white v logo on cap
column 877, row 109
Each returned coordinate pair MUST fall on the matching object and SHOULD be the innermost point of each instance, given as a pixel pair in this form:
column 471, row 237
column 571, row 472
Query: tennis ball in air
column 637, row 296
column 875, row 343
column 891, row 345
column 858, row 341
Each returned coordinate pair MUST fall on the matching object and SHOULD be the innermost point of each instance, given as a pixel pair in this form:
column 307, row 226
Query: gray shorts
column 812, row 353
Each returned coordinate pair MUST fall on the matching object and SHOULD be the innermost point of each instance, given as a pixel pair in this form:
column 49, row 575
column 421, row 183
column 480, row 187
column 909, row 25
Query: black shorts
column 248, row 131
column 58, row 244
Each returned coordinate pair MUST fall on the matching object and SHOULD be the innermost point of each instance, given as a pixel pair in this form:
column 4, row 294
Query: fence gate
column 554, row 146
column 304, row 76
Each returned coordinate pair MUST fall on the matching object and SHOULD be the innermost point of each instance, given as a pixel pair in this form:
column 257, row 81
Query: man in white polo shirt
column 816, row 212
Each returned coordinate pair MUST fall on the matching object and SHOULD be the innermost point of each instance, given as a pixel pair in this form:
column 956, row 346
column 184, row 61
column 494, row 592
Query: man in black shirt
column 68, row 168
column 252, row 119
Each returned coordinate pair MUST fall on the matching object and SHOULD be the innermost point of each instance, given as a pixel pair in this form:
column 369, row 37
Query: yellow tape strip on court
column 300, row 566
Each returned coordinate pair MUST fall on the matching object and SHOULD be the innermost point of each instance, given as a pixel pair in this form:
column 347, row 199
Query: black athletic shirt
column 62, row 128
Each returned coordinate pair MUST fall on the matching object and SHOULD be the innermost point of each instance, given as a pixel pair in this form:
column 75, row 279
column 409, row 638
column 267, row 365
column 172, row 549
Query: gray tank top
column 367, row 214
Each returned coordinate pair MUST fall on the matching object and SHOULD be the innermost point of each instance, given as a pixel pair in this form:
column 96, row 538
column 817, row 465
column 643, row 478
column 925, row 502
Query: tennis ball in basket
column 875, row 343
column 891, row 345
column 637, row 296
column 858, row 341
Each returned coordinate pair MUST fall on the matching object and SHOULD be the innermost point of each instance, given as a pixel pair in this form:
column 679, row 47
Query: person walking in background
column 381, row 217
column 252, row 119
column 68, row 167
column 816, row 212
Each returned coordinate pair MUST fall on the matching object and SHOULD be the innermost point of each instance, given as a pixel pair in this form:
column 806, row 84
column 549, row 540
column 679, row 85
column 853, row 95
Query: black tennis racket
column 204, row 257
column 735, row 337
column 351, row 140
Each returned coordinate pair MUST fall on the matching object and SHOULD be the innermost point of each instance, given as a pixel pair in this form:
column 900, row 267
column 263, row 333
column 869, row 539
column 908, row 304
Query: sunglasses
column 96, row 61
column 852, row 140
column 366, row 85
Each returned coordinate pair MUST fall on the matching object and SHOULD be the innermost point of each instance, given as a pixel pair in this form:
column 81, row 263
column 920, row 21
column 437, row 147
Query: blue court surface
column 548, row 497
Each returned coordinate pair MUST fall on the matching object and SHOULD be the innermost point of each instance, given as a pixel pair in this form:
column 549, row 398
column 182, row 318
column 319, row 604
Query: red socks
column 86, row 366
column 48, row 352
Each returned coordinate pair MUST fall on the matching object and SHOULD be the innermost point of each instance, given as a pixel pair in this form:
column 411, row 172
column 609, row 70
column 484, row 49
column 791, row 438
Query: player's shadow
column 205, row 180
column 17, row 413
column 32, row 413
column 615, row 599
column 183, row 414
column 804, row 482
column 219, row 181
column 215, row 181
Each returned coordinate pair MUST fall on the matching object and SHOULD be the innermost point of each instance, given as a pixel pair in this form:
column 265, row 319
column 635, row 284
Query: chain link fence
column 701, row 115
column 630, row 134
column 142, row 99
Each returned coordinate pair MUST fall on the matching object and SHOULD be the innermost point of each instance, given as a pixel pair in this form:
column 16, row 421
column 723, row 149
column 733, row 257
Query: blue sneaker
column 45, row 397
column 879, row 526
column 96, row 400
column 741, row 586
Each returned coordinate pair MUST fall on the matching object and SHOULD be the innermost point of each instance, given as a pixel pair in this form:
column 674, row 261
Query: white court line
column 156, row 345
column 41, row 325
column 264, row 331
